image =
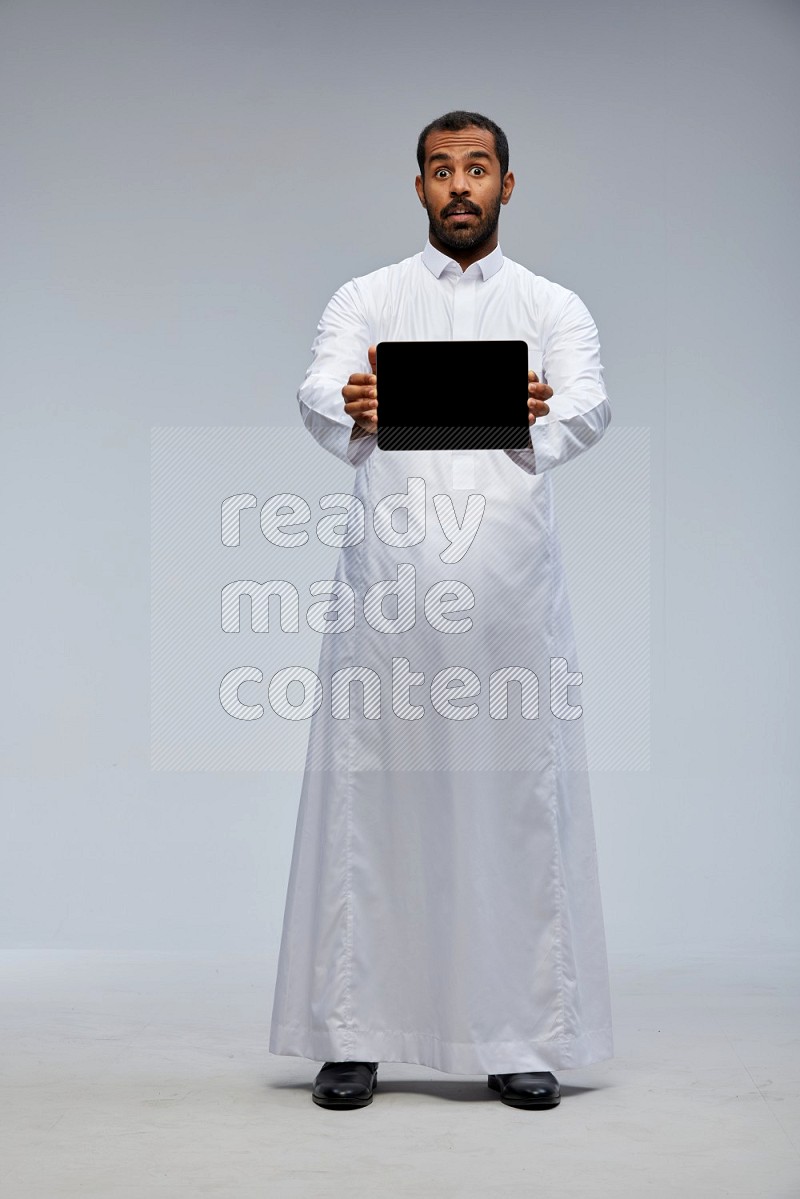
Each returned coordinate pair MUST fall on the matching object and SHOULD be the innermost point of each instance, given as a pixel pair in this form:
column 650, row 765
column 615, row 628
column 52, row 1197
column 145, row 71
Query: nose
column 459, row 184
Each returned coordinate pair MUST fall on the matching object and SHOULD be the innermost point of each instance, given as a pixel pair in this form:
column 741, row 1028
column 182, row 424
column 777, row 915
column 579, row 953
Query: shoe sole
column 531, row 1103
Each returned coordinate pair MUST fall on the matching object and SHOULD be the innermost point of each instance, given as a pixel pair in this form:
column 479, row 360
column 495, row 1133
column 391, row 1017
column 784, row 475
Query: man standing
column 443, row 905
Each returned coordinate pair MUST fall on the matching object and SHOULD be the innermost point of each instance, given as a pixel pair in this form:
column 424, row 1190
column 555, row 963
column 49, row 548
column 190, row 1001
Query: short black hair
column 453, row 122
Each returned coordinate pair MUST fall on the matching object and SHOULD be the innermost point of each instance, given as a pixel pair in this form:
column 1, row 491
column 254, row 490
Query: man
column 443, row 905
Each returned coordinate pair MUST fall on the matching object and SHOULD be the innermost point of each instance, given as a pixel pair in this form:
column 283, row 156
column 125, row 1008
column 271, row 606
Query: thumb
column 372, row 354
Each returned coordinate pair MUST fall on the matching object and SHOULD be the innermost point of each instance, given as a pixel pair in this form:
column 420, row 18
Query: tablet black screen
column 445, row 395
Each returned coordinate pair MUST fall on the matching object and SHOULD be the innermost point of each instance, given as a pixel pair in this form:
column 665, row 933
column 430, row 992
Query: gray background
column 185, row 186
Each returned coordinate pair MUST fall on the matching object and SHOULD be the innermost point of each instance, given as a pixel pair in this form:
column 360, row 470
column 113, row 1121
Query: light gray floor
column 148, row 1075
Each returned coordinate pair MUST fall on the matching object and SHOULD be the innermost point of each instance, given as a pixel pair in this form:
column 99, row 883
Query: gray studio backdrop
column 186, row 184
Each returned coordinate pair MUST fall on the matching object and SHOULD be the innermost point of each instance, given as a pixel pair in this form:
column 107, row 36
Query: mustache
column 460, row 206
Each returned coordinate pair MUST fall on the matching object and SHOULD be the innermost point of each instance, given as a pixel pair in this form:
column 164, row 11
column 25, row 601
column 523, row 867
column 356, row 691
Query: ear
column 507, row 188
column 420, row 190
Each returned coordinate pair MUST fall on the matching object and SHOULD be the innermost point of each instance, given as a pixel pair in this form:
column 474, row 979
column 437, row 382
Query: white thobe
column 443, row 903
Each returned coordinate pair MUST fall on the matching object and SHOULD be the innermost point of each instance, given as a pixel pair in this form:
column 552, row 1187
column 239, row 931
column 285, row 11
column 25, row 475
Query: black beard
column 465, row 239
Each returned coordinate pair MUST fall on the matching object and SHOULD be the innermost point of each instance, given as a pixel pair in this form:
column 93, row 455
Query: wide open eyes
column 443, row 172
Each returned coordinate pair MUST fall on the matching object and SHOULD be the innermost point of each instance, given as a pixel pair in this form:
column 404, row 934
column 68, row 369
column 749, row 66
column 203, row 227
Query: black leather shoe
column 345, row 1084
column 537, row 1089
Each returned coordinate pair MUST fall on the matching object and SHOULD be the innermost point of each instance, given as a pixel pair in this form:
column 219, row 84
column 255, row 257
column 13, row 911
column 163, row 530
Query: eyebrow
column 443, row 156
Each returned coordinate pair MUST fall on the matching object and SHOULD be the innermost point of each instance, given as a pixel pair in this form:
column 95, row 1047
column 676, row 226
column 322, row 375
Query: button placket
column 464, row 326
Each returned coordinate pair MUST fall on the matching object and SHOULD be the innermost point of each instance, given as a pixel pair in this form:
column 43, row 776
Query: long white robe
column 443, row 904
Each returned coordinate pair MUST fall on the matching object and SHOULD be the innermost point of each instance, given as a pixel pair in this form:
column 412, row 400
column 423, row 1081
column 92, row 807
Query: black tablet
column 452, row 395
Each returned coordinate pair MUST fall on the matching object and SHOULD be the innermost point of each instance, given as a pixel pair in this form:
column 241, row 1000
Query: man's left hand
column 537, row 394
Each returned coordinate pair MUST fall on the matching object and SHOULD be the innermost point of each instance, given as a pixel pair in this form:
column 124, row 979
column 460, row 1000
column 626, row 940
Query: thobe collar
column 437, row 263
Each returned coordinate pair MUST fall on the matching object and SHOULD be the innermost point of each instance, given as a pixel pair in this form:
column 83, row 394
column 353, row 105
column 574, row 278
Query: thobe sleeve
column 339, row 350
column 579, row 408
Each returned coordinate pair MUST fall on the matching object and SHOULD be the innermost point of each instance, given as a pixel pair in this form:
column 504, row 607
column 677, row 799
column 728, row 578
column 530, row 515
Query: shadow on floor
column 468, row 1091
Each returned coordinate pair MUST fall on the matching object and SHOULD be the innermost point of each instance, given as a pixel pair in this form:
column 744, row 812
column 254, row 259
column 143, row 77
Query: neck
column 465, row 258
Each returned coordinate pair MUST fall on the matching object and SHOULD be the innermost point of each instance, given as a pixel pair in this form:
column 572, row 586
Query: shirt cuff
column 361, row 444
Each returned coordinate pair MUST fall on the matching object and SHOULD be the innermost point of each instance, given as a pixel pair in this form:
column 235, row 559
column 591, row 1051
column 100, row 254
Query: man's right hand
column 361, row 396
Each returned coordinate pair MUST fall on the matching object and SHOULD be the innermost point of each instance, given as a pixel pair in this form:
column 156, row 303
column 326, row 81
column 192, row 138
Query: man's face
column 461, row 188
